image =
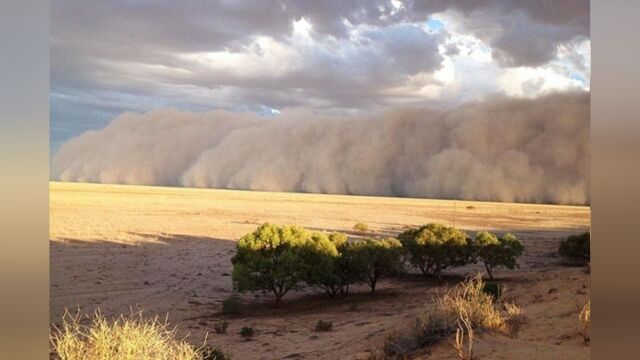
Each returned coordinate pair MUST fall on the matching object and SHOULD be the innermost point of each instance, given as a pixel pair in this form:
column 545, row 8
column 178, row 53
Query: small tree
column 371, row 259
column 319, row 255
column 344, row 269
column 435, row 247
column 269, row 260
column 576, row 247
column 494, row 251
column 347, row 267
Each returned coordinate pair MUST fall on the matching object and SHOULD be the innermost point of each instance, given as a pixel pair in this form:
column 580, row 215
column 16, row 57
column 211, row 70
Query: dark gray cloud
column 522, row 32
column 87, row 34
column 140, row 55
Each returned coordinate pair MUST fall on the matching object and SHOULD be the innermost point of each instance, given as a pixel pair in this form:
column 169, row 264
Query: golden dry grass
column 125, row 338
column 585, row 319
column 469, row 299
column 460, row 311
column 515, row 318
column 464, row 337
column 121, row 213
column 512, row 309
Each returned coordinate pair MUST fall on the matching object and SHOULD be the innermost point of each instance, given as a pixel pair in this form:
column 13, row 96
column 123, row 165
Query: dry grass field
column 168, row 250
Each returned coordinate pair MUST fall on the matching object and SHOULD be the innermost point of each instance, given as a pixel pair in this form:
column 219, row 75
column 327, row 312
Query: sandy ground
column 168, row 250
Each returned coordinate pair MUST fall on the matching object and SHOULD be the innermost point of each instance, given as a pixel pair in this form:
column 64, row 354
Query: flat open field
column 168, row 250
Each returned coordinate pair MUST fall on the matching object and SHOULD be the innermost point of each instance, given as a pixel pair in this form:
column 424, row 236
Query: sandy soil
column 167, row 250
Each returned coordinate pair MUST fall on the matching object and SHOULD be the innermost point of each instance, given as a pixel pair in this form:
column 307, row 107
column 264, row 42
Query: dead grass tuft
column 469, row 297
column 514, row 318
column 125, row 338
column 462, row 310
column 464, row 334
column 585, row 319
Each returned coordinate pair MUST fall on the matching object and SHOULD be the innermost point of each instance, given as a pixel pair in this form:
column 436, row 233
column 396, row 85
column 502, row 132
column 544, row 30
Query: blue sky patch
column 435, row 24
column 579, row 78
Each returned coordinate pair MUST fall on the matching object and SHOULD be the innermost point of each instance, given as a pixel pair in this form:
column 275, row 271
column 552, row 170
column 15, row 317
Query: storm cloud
column 330, row 56
column 502, row 149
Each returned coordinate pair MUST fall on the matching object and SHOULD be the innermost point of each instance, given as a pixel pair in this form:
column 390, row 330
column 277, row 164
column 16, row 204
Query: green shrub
column 322, row 325
column 278, row 259
column 371, row 259
column 361, row 228
column 232, row 305
column 492, row 288
column 220, row 327
column 346, row 265
column 319, row 256
column 269, row 260
column 247, row 332
column 494, row 251
column 210, row 353
column 576, row 247
column 435, row 247
column 338, row 239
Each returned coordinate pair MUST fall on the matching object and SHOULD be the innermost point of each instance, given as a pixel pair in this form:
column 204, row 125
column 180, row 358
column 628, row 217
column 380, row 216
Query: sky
column 326, row 58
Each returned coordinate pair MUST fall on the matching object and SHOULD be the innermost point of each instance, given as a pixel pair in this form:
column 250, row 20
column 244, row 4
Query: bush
column 361, row 228
column 209, row 353
column 279, row 258
column 466, row 300
column 468, row 296
column 220, row 327
column 125, row 338
column 269, row 260
column 429, row 328
column 371, row 259
column 338, row 239
column 494, row 251
column 346, row 267
column 247, row 332
column 232, row 305
column 322, row 325
column 435, row 247
column 492, row 288
column 576, row 247
column 319, row 256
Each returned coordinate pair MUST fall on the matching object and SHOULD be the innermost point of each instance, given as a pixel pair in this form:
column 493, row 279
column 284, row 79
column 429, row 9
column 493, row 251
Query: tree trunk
column 424, row 270
column 279, row 293
column 344, row 290
column 332, row 292
column 489, row 269
column 372, row 282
